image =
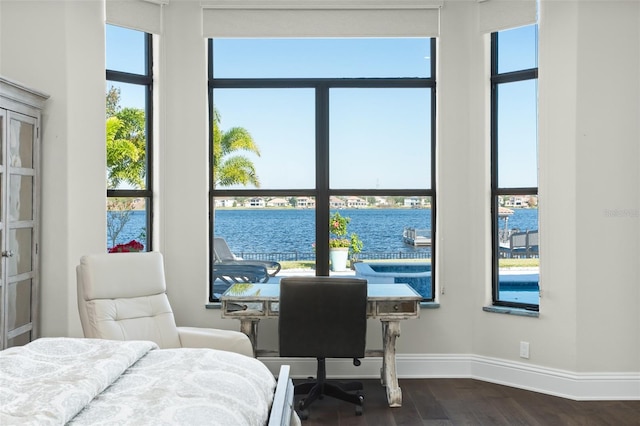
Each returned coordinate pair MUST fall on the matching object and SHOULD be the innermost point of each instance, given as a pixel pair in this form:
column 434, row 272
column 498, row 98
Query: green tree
column 113, row 101
column 126, row 143
column 230, row 167
column 397, row 201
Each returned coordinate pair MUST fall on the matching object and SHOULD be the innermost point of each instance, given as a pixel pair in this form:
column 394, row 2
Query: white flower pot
column 338, row 257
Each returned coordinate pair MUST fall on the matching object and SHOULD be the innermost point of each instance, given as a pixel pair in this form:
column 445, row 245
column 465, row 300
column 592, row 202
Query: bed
column 56, row 381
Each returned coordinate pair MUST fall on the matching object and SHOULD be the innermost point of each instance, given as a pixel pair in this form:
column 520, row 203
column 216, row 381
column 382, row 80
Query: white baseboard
column 565, row 384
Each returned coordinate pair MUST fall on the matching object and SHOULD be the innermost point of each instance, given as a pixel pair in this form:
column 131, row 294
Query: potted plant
column 341, row 245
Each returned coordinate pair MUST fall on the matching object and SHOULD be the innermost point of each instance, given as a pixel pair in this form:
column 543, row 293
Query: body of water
column 288, row 234
column 292, row 230
column 134, row 229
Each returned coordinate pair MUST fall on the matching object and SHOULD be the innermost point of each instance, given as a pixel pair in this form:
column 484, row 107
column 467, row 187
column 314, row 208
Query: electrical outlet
column 524, row 350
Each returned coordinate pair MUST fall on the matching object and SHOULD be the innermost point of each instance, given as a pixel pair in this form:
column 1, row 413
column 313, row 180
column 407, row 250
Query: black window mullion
column 129, row 193
column 211, row 178
column 296, row 83
column 512, row 77
column 125, row 77
column 322, row 180
column 516, row 191
column 432, row 191
column 149, row 139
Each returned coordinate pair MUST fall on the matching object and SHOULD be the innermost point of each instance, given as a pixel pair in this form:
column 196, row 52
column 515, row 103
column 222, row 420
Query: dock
column 416, row 237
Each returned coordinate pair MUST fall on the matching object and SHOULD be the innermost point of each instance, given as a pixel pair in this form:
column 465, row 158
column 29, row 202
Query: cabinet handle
column 7, row 253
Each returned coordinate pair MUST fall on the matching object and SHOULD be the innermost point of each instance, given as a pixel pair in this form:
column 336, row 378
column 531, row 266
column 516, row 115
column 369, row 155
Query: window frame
column 145, row 80
column 496, row 191
column 322, row 191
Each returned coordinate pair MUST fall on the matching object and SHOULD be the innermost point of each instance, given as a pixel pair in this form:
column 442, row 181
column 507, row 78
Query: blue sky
column 341, row 58
column 372, row 131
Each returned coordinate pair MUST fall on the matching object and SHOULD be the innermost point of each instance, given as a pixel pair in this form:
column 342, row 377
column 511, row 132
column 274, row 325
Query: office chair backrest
column 322, row 317
column 122, row 296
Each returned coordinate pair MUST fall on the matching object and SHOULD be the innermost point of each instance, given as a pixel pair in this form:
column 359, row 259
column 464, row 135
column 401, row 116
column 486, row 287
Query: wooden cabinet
column 20, row 110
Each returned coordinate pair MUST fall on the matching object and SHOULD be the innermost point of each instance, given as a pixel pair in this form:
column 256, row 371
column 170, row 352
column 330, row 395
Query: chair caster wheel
column 359, row 407
column 302, row 412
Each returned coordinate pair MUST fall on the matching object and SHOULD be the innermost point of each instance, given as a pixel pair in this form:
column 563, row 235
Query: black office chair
column 324, row 317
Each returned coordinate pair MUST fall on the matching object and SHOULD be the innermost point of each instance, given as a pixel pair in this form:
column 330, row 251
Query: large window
column 514, row 161
column 129, row 139
column 305, row 128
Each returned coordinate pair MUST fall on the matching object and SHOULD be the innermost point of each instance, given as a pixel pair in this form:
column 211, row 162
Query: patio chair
column 243, row 273
column 224, row 256
column 524, row 244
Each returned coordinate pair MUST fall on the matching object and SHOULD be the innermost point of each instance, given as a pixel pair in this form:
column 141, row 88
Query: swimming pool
column 520, row 287
column 417, row 275
column 515, row 287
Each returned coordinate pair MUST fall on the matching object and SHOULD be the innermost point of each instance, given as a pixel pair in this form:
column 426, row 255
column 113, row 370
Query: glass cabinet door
column 20, row 115
column 18, row 228
column 3, row 297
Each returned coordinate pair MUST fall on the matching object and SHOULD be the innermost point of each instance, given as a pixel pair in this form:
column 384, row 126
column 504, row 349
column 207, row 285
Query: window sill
column 511, row 311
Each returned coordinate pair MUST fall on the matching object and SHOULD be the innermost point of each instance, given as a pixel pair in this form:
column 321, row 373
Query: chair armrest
column 273, row 265
column 226, row 340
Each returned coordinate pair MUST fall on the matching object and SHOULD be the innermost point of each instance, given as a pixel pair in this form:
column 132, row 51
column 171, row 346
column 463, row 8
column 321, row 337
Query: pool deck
column 309, row 272
column 518, row 274
column 515, row 276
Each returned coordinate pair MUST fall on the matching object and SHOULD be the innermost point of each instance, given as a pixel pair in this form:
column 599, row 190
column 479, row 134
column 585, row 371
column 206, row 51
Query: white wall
column 607, row 194
column 186, row 160
column 58, row 48
column 589, row 156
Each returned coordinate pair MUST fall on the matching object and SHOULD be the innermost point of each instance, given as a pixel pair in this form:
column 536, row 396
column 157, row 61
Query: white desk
column 390, row 303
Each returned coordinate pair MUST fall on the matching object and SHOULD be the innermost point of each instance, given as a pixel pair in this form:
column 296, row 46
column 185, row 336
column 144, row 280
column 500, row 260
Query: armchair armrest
column 226, row 340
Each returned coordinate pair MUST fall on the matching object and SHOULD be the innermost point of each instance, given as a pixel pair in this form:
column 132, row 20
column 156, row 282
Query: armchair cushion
column 138, row 318
column 226, row 340
column 122, row 275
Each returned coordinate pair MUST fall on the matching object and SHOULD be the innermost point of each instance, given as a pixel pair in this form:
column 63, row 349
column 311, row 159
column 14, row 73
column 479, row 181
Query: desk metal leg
column 250, row 328
column 388, row 376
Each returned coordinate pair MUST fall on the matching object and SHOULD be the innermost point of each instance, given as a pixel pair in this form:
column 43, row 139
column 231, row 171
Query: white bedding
column 87, row 381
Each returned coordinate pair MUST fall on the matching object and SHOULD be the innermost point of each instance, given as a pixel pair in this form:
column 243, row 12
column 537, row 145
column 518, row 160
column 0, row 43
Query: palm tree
column 230, row 168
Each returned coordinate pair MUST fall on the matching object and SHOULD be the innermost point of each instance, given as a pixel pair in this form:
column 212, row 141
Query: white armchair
column 122, row 296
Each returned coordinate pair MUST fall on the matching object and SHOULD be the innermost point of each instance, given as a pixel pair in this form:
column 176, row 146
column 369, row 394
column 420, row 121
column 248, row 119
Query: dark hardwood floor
column 469, row 402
